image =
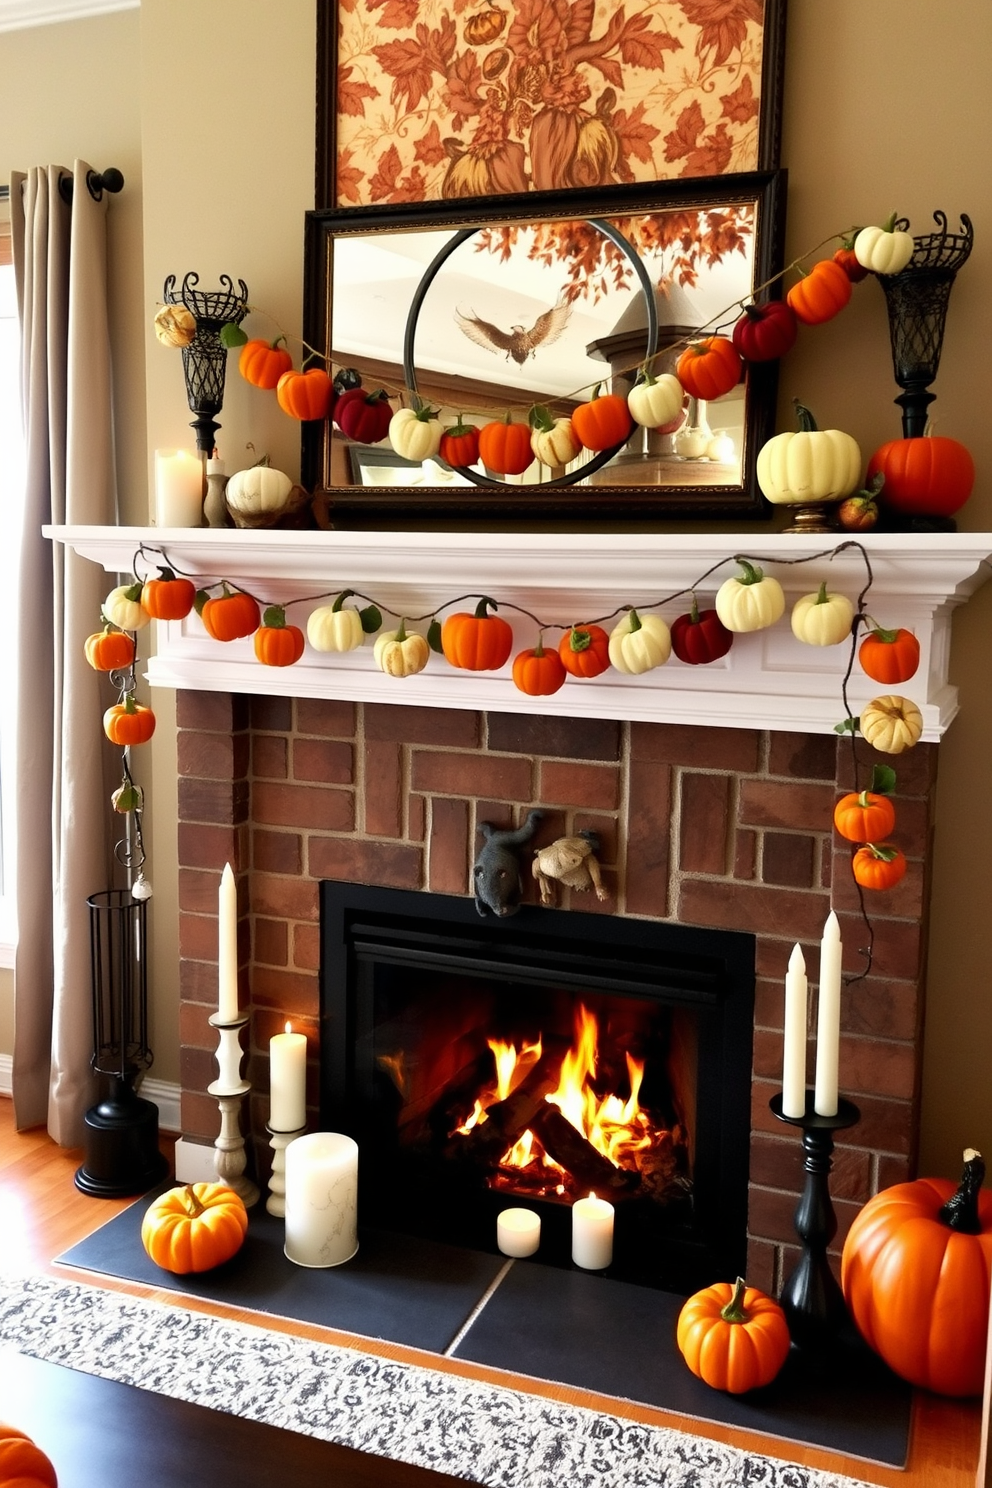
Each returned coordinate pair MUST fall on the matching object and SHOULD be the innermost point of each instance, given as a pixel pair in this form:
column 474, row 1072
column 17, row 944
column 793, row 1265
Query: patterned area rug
column 494, row 1436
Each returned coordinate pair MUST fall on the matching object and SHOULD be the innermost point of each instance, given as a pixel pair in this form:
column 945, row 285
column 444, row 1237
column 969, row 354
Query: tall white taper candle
column 828, row 1019
column 794, row 1061
column 227, row 947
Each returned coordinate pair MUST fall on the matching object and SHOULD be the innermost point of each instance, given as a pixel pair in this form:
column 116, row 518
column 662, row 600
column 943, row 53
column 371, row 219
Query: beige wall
column 884, row 108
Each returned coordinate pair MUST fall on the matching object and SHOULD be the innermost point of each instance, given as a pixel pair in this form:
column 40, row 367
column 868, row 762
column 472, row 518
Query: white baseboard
column 195, row 1162
column 165, row 1095
column 6, row 1074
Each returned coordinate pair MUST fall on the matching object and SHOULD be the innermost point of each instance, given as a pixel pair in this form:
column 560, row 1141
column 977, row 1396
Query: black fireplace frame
column 711, row 971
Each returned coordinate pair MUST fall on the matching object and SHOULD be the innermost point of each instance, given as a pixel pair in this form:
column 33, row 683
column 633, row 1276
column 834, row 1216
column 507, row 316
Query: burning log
column 569, row 1148
column 507, row 1120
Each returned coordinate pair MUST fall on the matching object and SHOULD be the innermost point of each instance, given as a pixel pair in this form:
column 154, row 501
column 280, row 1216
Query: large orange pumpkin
column 916, row 1274
column 230, row 615
column 22, row 1464
column 733, row 1337
column 479, row 642
column 931, row 476
column 194, row 1228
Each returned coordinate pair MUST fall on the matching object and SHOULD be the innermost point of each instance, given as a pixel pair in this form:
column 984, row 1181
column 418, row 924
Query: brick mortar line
column 623, row 822
column 675, row 873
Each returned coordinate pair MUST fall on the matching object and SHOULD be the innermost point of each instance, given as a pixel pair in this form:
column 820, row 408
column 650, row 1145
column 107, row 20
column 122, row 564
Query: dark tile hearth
column 571, row 1327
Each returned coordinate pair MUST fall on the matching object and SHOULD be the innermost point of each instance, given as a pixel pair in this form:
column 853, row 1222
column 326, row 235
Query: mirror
column 491, row 308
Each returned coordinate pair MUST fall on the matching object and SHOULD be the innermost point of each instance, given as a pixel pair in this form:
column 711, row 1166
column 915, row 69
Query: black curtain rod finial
column 97, row 183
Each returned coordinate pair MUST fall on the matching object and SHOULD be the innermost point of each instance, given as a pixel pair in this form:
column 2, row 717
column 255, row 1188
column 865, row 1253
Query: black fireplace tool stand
column 811, row 1297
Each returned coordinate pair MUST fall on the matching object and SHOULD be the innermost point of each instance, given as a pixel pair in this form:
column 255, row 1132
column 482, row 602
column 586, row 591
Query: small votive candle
column 321, row 1199
column 592, row 1233
column 518, row 1232
column 178, row 489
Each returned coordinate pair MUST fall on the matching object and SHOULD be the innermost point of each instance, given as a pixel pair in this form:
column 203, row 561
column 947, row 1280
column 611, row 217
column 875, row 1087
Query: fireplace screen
column 538, row 1060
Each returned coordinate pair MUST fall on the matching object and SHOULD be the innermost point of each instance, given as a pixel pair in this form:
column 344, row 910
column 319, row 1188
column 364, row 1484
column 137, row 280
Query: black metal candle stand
column 811, row 1297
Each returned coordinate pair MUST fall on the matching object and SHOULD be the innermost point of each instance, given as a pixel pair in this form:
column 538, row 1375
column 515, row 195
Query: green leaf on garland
column 883, row 780
column 202, row 595
column 849, row 726
column 232, row 335
column 434, row 637
column 371, row 618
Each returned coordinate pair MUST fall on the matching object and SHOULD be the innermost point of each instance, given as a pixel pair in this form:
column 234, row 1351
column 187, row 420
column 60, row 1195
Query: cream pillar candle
column 518, row 1232
column 227, row 948
column 178, row 489
column 288, row 1081
column 321, row 1199
column 828, row 1019
column 794, row 1060
column 592, row 1233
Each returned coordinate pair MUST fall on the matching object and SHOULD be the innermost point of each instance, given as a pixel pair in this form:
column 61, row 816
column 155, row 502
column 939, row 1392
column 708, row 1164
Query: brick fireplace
column 703, row 826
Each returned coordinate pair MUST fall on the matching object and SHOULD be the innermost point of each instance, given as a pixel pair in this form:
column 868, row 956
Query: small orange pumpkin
column 733, row 1337
column 230, row 615
column 479, row 642
column 262, row 363
column 128, row 722
column 538, row 672
column 878, row 866
column 504, row 446
column 305, row 395
column 821, row 294
column 602, row 422
column 889, row 656
column 22, row 1464
column 108, row 649
column 585, row 650
column 276, row 643
column 863, row 816
column 194, row 1228
column 484, row 26
column 709, row 368
column 168, row 598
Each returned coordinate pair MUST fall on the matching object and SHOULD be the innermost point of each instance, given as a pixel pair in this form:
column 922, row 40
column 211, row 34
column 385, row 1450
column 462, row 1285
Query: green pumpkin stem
column 540, row 418
column 752, row 573
column 345, row 594
column 400, row 635
column 634, row 620
column 579, row 640
column 821, row 597
column 274, row 617
column 807, row 423
column 694, row 611
column 961, row 1210
column 735, row 1311
column 481, row 612
column 191, row 1203
column 888, row 636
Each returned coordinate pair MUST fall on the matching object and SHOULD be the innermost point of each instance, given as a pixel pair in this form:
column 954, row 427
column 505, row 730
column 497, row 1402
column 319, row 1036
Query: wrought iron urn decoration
column 917, row 299
column 205, row 358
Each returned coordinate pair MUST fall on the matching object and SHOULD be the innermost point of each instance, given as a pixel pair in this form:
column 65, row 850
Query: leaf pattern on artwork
column 561, row 93
column 722, row 24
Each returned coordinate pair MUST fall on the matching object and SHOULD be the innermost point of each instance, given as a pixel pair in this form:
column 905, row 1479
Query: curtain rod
column 97, row 183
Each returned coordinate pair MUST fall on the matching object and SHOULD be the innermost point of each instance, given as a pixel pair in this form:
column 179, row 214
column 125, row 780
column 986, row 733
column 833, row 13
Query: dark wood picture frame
column 692, row 149
column 572, row 506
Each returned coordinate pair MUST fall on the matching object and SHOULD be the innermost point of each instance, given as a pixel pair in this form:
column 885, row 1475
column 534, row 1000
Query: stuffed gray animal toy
column 496, row 874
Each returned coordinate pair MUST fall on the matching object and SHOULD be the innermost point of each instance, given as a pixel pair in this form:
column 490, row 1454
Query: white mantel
column 768, row 679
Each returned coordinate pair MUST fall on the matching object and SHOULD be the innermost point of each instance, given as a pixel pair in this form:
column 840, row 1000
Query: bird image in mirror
column 518, row 343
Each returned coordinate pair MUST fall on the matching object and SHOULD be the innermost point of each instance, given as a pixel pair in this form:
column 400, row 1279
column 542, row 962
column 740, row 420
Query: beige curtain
column 60, row 264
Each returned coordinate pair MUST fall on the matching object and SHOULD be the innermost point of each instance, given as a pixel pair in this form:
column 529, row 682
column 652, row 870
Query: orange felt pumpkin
column 930, row 476
column 585, row 650
column 262, row 363
column 479, row 642
column 22, row 1464
column 821, row 293
column 538, row 672
column 709, row 368
column 230, row 615
column 878, row 866
column 733, row 1337
column 305, row 395
column 603, row 421
column 916, row 1271
column 128, row 722
column 863, row 816
column 504, row 446
column 108, row 649
column 194, row 1228
column 168, row 598
column 889, row 656
column 276, row 643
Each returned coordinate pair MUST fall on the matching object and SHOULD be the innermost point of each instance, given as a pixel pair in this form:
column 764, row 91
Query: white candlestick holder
column 279, row 1141
column 229, row 1090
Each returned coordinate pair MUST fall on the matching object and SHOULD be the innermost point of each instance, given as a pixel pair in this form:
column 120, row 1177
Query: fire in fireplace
column 535, row 1060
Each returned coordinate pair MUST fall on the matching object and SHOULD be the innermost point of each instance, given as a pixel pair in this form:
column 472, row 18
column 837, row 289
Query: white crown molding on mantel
column 19, row 15
column 767, row 680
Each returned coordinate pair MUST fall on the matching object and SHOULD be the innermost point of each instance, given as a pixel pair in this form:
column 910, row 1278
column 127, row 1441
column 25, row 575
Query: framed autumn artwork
column 520, row 308
column 445, row 100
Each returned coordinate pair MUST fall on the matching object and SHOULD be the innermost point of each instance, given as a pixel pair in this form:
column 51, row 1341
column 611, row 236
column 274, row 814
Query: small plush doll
column 570, row 861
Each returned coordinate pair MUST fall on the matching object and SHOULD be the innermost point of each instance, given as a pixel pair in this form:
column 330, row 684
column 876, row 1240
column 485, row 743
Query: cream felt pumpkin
column 822, row 619
column 891, row 724
column 749, row 601
column 399, row 654
column 123, row 607
column 656, row 400
column 809, row 466
column 335, row 628
column 416, row 433
column 553, row 441
column 884, row 250
column 257, row 495
column 639, row 643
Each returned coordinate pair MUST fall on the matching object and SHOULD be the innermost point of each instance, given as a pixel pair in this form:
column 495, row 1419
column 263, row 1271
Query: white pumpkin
column 809, row 466
column 751, row 601
column 401, row 654
column 257, row 495
column 656, row 401
column 415, row 433
column 883, row 250
column 891, row 724
column 334, row 628
column 822, row 619
column 122, row 607
column 639, row 643
column 555, row 442
column 721, row 448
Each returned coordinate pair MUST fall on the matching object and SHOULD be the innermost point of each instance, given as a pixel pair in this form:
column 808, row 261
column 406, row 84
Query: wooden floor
column 42, row 1213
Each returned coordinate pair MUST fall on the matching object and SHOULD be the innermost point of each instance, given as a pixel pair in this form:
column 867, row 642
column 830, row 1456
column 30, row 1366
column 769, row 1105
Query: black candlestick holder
column 811, row 1298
